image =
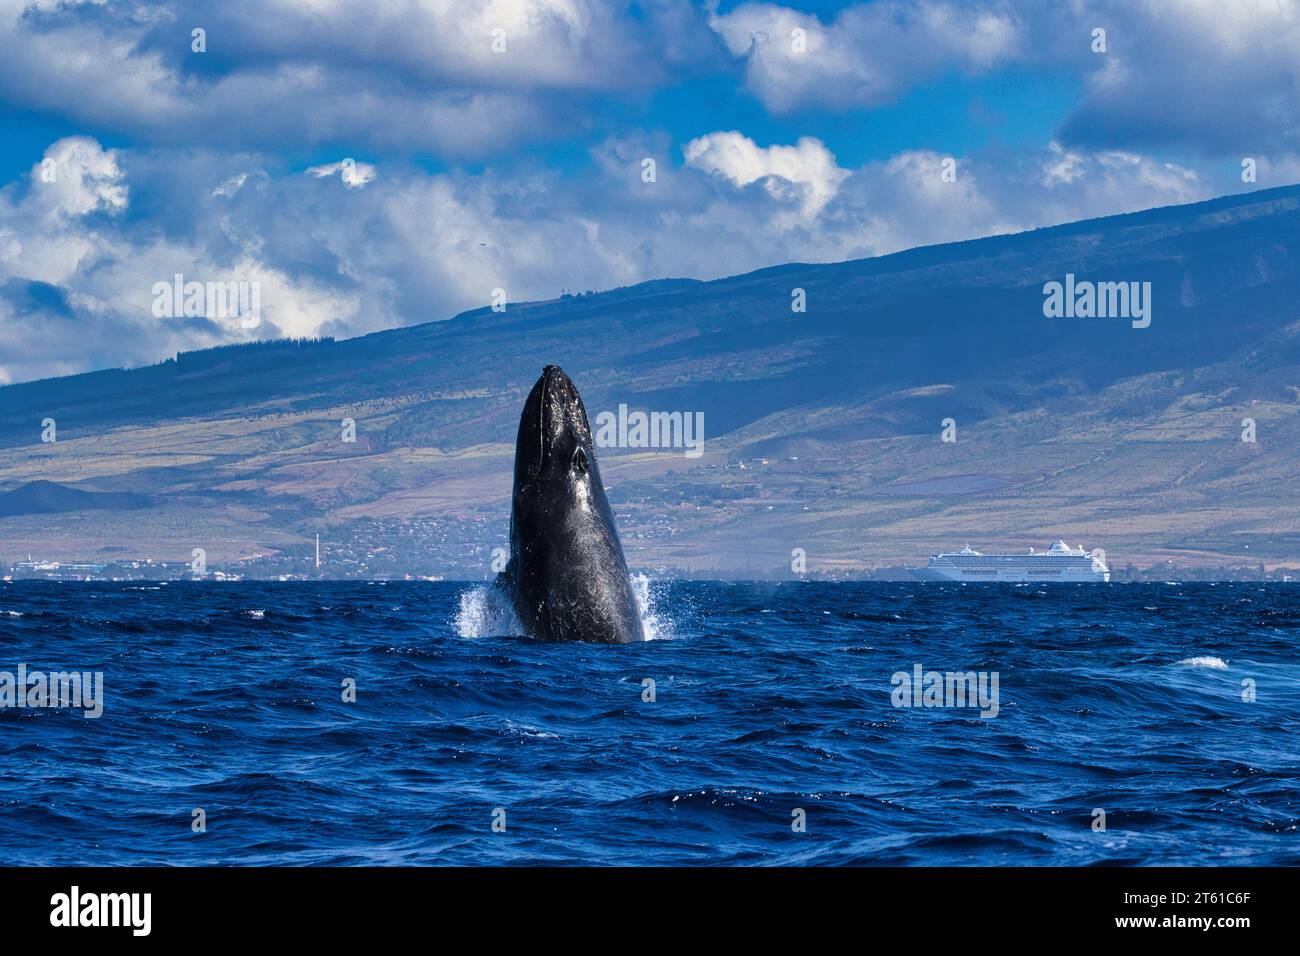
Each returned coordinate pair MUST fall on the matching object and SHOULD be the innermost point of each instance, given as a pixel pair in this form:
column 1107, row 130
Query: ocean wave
column 754, row 717
column 1217, row 663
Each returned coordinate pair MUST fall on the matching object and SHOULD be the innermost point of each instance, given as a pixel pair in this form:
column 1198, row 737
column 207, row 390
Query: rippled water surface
column 768, row 699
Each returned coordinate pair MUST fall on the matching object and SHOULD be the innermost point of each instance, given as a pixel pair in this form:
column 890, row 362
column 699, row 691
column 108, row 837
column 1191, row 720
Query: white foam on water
column 1218, row 663
column 256, row 614
column 526, row 730
column 13, row 613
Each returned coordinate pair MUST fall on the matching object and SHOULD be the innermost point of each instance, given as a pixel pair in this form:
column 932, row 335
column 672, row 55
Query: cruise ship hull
column 1075, row 576
column 1059, row 563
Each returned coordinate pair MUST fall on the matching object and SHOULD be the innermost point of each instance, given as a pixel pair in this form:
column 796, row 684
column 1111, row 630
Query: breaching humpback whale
column 567, row 577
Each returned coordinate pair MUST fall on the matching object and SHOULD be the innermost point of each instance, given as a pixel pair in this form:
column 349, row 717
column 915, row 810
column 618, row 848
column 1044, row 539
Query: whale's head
column 567, row 568
column 555, row 447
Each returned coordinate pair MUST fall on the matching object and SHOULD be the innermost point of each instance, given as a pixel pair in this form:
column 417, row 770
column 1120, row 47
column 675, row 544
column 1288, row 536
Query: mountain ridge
column 1152, row 214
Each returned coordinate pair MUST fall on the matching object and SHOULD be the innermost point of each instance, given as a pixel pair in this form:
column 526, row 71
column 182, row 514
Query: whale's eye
column 580, row 461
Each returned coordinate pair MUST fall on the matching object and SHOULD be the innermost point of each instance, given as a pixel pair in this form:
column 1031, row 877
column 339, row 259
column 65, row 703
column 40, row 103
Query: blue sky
column 382, row 164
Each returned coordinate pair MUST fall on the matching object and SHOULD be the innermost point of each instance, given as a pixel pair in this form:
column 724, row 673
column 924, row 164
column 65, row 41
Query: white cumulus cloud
column 869, row 55
column 805, row 173
column 78, row 176
column 354, row 174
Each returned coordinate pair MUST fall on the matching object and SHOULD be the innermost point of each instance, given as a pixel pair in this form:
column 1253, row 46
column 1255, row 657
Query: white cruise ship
column 1060, row 562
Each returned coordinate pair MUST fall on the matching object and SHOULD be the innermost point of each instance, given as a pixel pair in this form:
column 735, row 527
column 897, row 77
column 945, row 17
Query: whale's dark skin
column 567, row 577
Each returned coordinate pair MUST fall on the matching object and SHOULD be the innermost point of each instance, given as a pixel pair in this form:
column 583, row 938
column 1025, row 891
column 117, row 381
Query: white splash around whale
column 485, row 611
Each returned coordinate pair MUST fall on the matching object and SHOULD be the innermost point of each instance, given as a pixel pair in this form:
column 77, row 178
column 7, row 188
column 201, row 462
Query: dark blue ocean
column 768, row 700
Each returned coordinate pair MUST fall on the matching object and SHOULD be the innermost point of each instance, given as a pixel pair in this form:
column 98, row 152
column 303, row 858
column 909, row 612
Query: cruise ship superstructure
column 1060, row 562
